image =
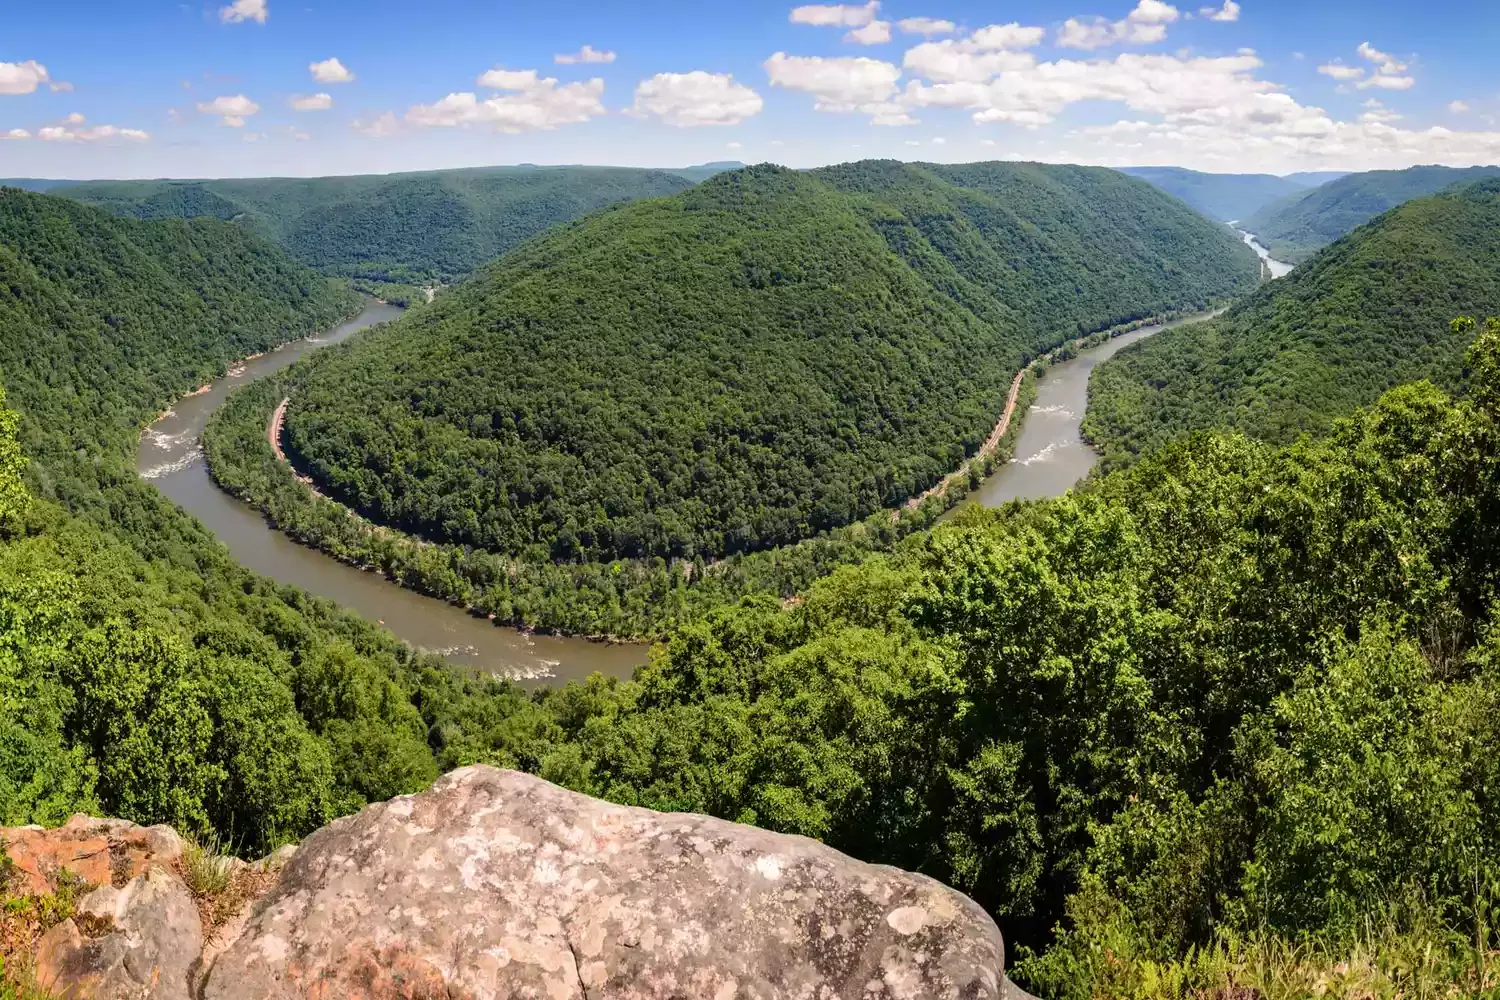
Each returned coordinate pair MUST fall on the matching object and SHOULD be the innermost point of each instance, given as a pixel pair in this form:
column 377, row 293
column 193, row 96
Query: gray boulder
column 151, row 939
column 497, row 884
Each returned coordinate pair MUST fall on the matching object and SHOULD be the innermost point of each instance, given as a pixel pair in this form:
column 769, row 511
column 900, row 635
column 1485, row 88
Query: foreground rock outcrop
column 496, row 884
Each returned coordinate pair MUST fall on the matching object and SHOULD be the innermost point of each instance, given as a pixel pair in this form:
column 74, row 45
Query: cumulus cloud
column 311, row 102
column 1007, row 36
column 874, row 33
column 15, row 133
column 232, row 111
column 60, row 87
column 689, row 100
column 330, row 70
column 842, row 84
column 1229, row 12
column 587, row 54
column 22, row 78
column 1340, row 72
column 1389, row 74
column 529, row 103
column 1458, row 107
column 836, row 15
column 244, row 10
column 71, row 129
column 1144, row 25
column 960, row 62
column 926, row 26
column 379, row 127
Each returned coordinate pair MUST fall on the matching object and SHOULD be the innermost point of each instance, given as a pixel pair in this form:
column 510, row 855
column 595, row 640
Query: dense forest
column 143, row 672
column 767, row 356
column 1295, row 227
column 1367, row 313
column 1221, row 197
column 1221, row 724
column 403, row 228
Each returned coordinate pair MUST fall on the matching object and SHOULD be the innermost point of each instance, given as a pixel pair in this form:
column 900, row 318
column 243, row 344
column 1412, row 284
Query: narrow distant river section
column 171, row 456
column 1278, row 269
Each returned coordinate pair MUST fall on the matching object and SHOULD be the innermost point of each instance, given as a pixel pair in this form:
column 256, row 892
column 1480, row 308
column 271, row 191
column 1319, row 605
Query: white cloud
column 529, row 104
column 232, row 110
column 1229, row 12
column 15, row 133
column 60, row 87
column 312, row 102
column 952, row 61
column 297, row 134
column 836, row 15
column 845, row 84
column 1144, row 25
column 1380, row 114
column 330, row 70
column 379, row 127
column 940, row 141
column 926, row 26
column 70, row 130
column 688, row 100
column 1340, row 72
column 1458, row 107
column 1007, row 36
column 874, row 33
column 244, row 10
column 21, row 78
column 912, row 142
column 734, row 145
column 253, row 136
column 587, row 54
column 1388, row 71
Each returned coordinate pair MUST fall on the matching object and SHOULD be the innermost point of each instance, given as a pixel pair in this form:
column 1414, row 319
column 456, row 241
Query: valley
column 1183, row 672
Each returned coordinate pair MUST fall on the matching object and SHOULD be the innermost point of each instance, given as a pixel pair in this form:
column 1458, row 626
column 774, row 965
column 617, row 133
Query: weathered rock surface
column 495, row 884
column 152, row 942
column 99, row 851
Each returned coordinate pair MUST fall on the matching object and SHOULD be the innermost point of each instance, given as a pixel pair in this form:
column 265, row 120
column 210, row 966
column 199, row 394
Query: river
column 1051, row 456
column 1278, row 268
column 171, row 456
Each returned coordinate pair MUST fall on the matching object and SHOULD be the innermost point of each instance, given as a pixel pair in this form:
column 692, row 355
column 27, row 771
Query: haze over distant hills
column 427, row 226
column 1221, row 197
column 1294, row 227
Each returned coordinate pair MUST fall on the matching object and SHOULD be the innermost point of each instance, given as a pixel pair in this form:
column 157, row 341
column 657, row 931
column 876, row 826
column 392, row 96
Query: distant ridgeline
column 1226, row 197
column 1368, row 313
column 405, row 228
column 1295, row 227
column 769, row 355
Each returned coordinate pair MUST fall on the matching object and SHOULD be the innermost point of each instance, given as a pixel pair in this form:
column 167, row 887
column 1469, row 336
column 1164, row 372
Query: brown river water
column 172, row 458
column 1050, row 458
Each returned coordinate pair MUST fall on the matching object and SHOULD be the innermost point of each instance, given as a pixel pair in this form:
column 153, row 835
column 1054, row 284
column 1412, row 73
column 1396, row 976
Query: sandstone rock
column 99, row 851
column 495, row 884
column 148, row 954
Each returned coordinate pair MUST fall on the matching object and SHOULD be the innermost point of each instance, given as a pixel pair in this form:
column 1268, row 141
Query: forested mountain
column 1314, row 178
column 1294, row 228
column 703, row 171
column 143, row 672
column 1226, row 719
column 768, row 355
column 1365, row 314
column 1221, row 197
column 396, row 227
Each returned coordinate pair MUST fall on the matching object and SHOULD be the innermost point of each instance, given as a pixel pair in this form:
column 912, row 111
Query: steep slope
column 1367, row 313
column 1294, row 228
column 144, row 672
column 763, row 357
column 1221, row 197
column 423, row 226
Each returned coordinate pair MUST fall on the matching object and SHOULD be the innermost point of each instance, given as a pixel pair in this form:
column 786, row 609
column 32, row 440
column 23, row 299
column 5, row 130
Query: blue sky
column 97, row 88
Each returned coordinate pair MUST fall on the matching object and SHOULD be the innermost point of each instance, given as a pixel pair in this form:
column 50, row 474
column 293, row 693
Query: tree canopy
column 1221, row 197
column 1366, row 314
column 1297, row 226
column 766, row 356
column 432, row 226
